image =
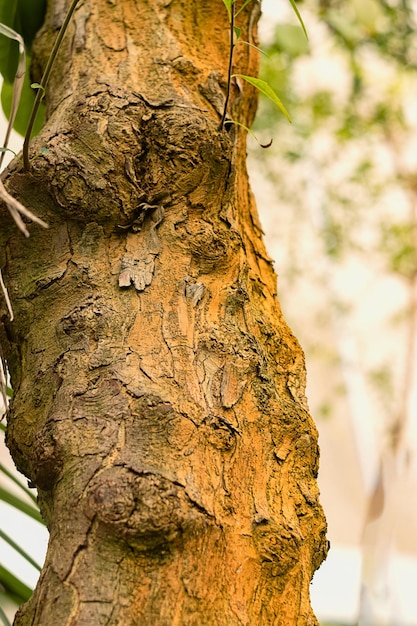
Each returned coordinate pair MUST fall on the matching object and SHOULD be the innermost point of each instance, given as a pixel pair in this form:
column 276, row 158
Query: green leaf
column 267, row 91
column 300, row 19
column 238, row 32
column 20, row 504
column 25, row 17
column 9, row 49
column 256, row 48
column 228, row 4
column 13, row 586
column 31, row 17
column 41, row 87
column 20, row 550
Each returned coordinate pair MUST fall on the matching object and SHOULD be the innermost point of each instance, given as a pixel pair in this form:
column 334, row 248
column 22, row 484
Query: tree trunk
column 159, row 401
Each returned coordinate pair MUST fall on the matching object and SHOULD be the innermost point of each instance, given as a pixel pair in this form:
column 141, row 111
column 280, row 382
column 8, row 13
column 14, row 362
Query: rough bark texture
column 159, row 395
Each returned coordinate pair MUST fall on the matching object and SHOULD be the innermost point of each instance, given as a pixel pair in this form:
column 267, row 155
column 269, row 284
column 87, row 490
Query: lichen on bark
column 159, row 402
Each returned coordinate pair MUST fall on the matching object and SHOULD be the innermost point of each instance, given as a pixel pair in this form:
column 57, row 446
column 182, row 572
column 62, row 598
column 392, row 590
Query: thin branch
column 44, row 82
column 229, row 71
column 3, row 382
column 6, row 297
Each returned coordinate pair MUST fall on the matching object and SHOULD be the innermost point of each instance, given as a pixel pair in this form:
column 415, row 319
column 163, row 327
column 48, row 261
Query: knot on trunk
column 144, row 509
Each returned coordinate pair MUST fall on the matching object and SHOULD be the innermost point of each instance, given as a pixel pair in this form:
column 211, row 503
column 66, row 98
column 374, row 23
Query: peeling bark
column 159, row 401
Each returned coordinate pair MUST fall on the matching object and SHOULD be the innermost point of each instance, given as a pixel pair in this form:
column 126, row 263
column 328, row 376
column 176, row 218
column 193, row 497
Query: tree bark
column 159, row 401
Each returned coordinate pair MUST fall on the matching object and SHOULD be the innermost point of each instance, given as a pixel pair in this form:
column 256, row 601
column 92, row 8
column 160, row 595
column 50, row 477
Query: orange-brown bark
column 159, row 395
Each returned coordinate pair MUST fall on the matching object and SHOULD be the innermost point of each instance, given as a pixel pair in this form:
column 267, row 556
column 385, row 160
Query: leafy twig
column 261, row 85
column 300, row 19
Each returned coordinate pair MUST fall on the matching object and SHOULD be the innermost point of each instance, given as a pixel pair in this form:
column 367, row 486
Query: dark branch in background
column 44, row 82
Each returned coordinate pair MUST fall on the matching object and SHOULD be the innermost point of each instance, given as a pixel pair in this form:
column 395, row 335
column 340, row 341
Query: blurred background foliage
column 347, row 166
